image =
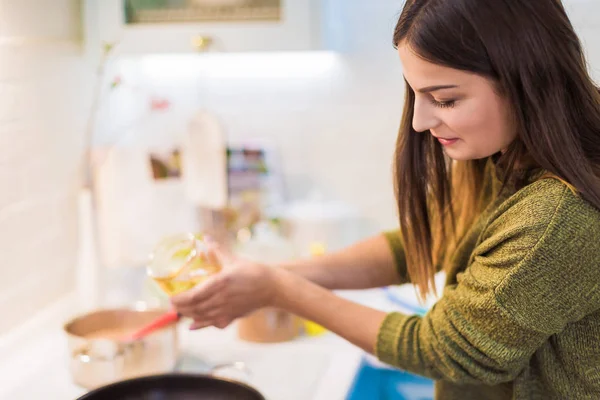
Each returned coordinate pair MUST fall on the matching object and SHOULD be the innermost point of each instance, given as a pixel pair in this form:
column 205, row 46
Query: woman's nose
column 424, row 117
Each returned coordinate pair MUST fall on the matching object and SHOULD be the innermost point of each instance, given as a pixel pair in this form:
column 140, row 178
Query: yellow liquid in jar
column 173, row 285
column 187, row 277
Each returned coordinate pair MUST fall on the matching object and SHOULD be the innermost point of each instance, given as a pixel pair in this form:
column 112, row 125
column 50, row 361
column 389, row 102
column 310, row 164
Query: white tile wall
column 335, row 132
column 44, row 87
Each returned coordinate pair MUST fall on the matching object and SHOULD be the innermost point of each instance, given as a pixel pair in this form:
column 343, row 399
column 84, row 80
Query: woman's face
column 461, row 109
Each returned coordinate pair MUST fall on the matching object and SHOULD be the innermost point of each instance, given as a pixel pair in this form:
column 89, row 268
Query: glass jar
column 179, row 262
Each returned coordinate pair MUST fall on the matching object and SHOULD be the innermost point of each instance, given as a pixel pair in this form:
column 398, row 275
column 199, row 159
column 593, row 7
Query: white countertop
column 34, row 357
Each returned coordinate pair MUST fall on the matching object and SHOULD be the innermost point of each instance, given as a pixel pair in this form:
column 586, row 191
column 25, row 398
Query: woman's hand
column 243, row 287
column 239, row 289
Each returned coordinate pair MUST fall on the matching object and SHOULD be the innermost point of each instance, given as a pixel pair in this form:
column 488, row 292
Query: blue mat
column 374, row 382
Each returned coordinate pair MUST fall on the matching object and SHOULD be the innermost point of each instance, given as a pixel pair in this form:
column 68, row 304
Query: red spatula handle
column 162, row 321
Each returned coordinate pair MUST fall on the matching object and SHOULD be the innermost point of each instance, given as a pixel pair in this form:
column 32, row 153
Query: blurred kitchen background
column 286, row 108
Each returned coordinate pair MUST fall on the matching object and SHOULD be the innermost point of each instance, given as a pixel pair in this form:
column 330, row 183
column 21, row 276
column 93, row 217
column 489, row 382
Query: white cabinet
column 297, row 29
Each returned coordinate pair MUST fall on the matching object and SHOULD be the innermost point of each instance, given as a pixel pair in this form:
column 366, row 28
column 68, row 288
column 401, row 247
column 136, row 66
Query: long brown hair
column 530, row 50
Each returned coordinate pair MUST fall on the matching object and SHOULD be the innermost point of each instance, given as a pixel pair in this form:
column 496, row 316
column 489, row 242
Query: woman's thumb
column 219, row 256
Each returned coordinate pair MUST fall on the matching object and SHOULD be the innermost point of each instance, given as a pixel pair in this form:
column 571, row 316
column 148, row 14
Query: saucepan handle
column 96, row 364
column 100, row 351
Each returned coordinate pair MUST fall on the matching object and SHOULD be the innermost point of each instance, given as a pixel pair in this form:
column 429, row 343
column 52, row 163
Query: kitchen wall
column 43, row 100
column 584, row 16
column 333, row 117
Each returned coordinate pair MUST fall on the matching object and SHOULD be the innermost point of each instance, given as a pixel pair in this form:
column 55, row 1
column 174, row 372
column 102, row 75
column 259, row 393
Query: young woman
column 498, row 183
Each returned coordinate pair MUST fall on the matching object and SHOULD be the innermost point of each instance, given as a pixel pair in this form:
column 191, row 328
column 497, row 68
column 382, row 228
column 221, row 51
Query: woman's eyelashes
column 443, row 103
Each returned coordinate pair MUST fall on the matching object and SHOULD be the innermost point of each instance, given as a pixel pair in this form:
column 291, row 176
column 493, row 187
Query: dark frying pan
column 174, row 387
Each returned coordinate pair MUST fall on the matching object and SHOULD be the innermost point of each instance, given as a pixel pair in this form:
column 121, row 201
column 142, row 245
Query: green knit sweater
column 520, row 313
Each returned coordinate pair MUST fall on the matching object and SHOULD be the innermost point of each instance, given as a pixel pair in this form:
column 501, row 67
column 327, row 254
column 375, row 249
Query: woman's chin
column 458, row 155
column 462, row 154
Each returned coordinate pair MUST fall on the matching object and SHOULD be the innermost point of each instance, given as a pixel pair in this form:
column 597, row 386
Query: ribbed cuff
column 389, row 337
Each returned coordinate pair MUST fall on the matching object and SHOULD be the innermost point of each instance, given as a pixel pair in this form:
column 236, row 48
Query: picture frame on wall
column 165, row 164
column 179, row 11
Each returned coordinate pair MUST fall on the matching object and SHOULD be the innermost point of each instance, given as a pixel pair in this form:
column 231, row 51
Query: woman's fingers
column 196, row 325
column 211, row 307
column 223, row 323
column 220, row 323
column 221, row 256
column 213, row 260
column 214, row 302
column 198, row 294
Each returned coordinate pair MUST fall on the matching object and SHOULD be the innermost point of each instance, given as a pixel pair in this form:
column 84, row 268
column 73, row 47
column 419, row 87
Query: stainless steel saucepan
column 99, row 353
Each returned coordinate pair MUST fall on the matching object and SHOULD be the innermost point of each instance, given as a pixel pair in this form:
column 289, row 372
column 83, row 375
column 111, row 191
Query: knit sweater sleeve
column 394, row 239
column 534, row 271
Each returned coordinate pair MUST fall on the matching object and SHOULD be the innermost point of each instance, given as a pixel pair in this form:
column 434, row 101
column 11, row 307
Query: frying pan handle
column 235, row 366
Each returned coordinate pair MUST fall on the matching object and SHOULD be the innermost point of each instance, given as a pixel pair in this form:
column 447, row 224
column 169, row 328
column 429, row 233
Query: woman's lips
column 447, row 142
